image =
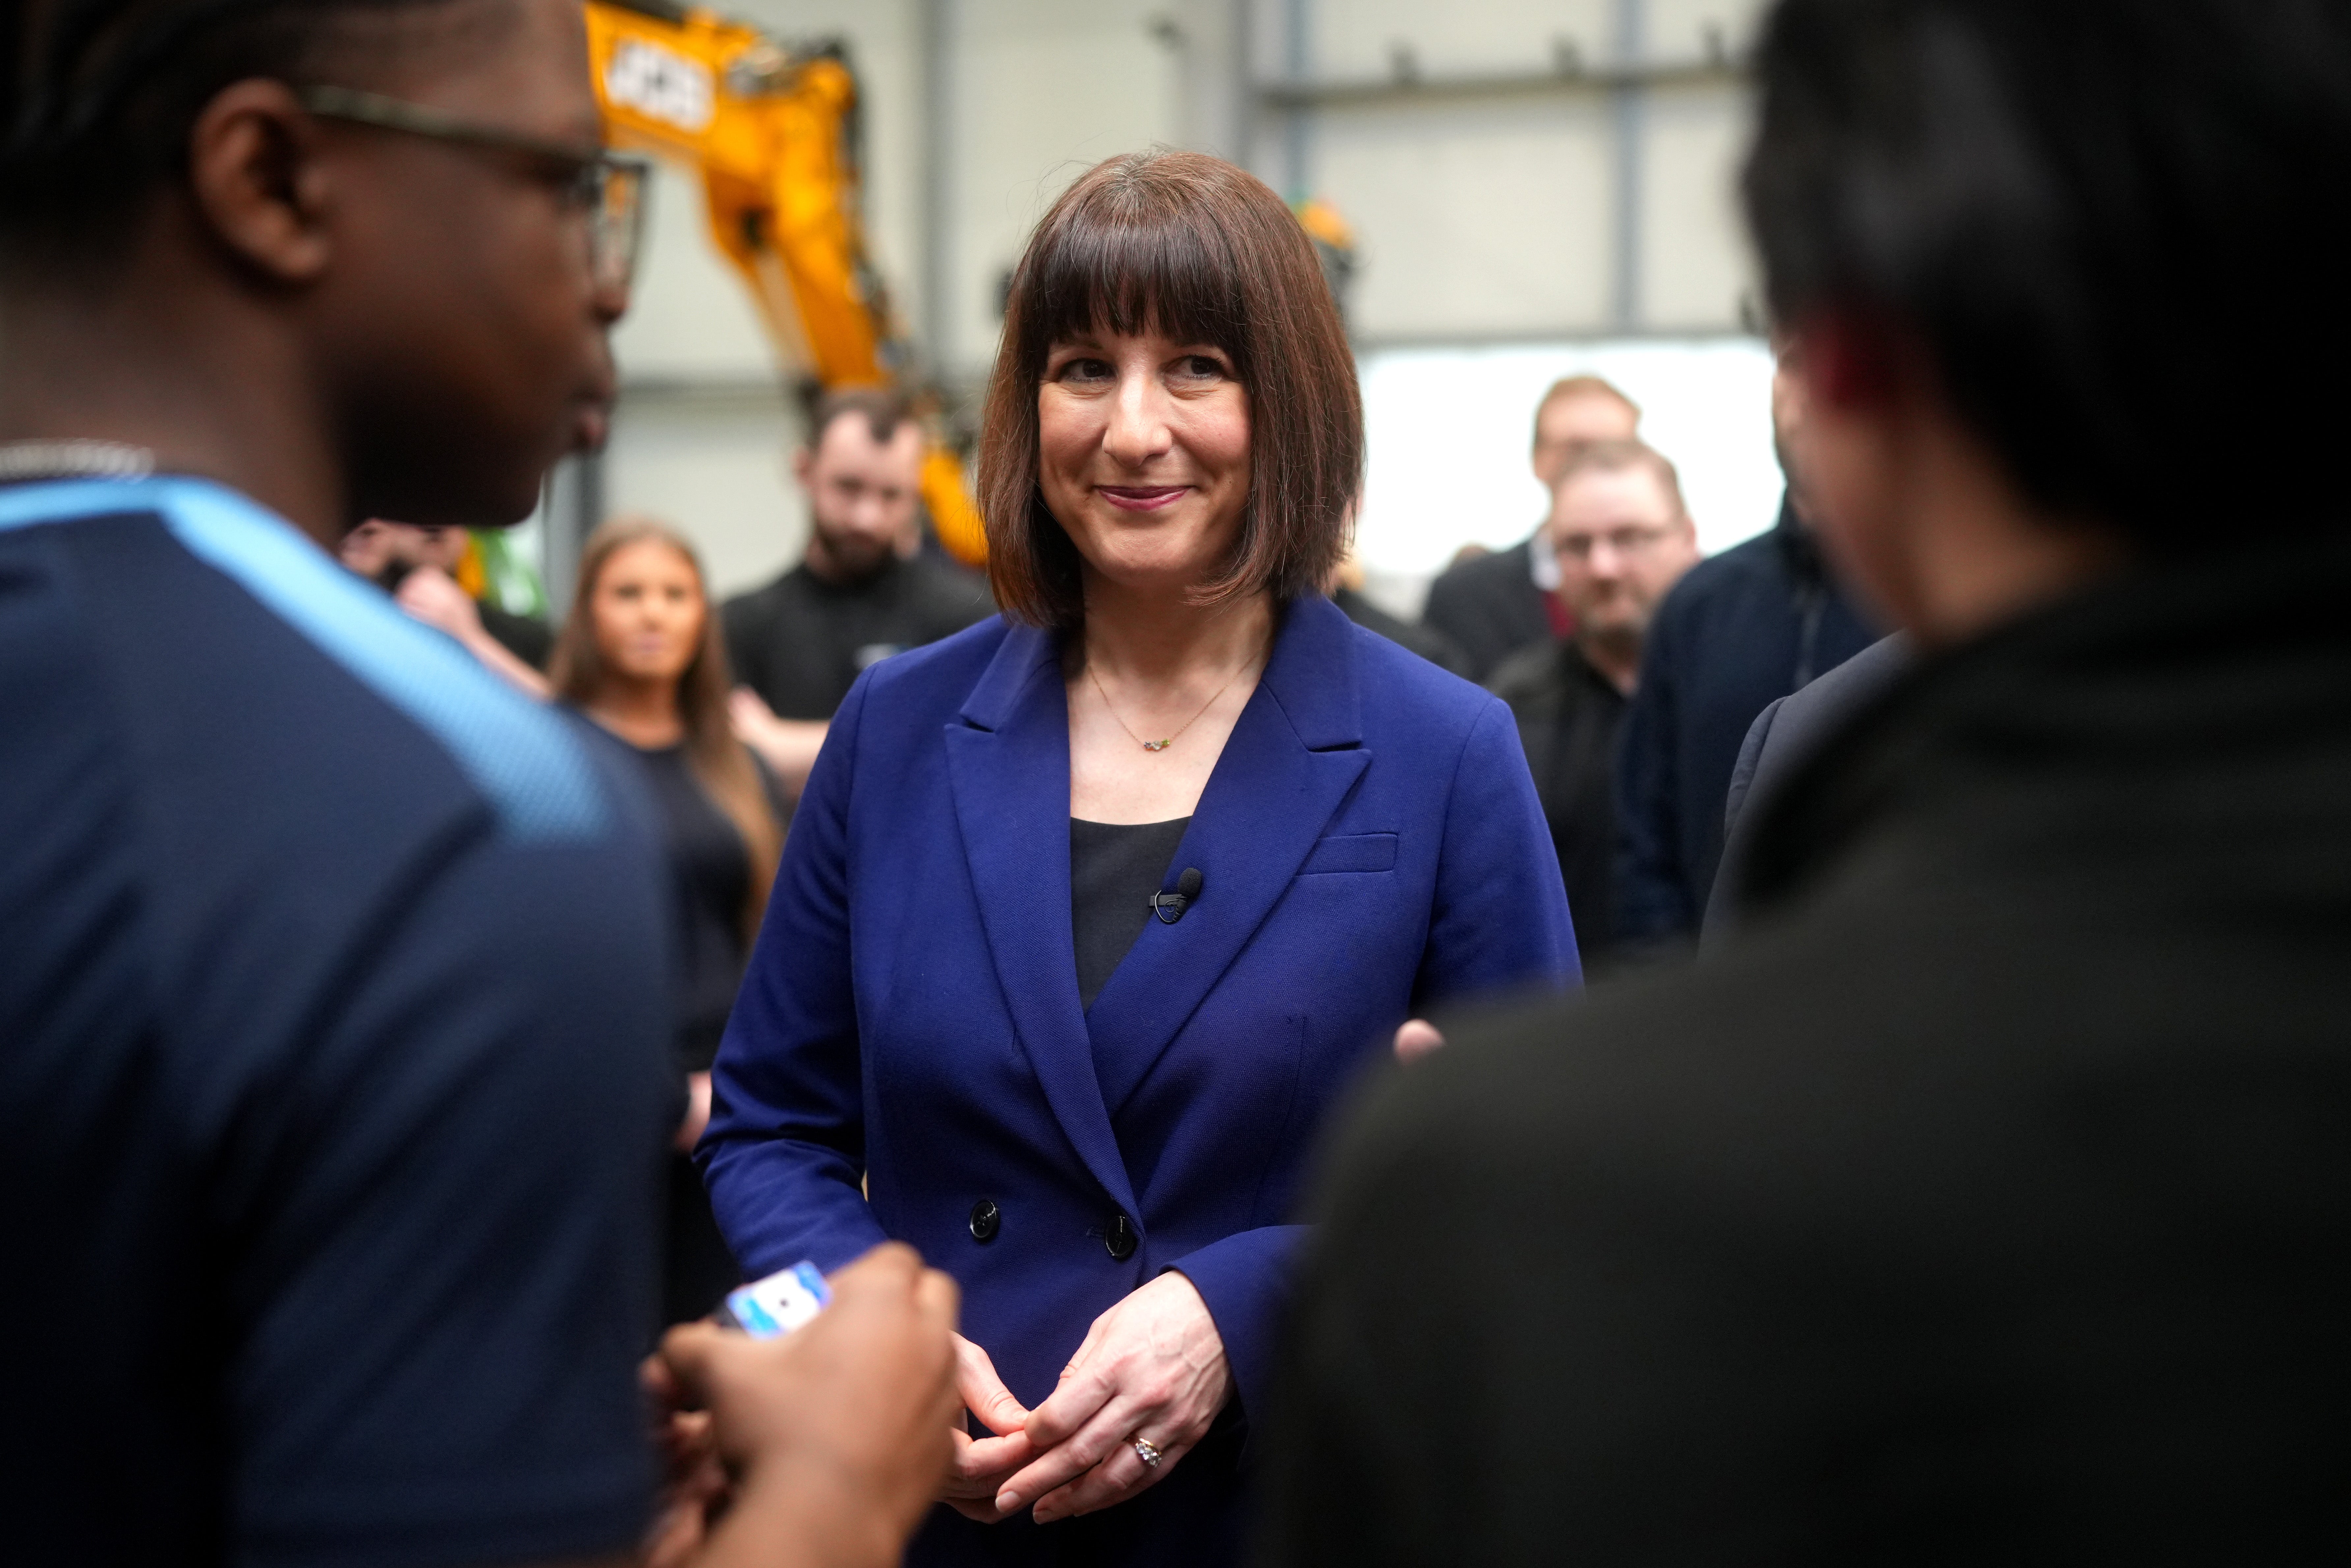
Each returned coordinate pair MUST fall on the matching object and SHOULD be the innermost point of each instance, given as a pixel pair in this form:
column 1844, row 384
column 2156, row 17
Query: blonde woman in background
column 641, row 655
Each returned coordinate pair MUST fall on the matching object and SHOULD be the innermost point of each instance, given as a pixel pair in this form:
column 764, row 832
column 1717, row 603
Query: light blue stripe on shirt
column 522, row 756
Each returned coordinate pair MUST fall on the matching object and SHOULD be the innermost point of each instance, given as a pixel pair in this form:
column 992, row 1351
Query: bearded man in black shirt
column 865, row 589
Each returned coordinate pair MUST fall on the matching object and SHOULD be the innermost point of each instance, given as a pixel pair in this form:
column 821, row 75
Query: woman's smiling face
column 1144, row 455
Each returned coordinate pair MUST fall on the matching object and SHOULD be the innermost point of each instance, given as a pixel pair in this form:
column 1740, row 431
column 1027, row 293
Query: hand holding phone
column 834, row 1427
column 775, row 1306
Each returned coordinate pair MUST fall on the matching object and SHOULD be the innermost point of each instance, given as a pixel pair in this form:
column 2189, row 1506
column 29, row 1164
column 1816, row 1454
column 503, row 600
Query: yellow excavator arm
column 768, row 130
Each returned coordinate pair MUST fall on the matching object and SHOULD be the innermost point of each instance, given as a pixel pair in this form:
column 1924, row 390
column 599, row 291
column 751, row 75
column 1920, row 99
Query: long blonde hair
column 721, row 763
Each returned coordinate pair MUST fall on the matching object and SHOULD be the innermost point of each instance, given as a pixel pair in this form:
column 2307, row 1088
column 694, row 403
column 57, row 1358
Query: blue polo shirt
column 332, row 1073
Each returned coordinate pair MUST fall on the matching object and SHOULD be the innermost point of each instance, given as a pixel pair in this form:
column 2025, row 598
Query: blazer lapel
column 1009, row 765
column 1290, row 763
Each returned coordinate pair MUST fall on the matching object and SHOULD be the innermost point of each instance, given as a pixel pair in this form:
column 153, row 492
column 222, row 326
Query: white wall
column 1474, row 221
column 1042, row 90
column 1487, row 225
column 1498, row 215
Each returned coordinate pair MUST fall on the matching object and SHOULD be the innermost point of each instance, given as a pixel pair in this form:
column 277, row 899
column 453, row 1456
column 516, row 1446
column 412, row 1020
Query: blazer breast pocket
column 1351, row 851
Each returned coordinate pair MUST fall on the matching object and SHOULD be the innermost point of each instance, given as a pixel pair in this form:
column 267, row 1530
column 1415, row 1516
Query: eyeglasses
column 1623, row 542
column 609, row 189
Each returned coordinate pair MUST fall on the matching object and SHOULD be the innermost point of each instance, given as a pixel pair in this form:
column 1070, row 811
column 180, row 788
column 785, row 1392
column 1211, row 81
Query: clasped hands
column 1153, row 1365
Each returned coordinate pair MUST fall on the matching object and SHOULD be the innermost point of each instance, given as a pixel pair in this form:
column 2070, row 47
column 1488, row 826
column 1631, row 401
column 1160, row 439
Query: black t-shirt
column 710, row 881
column 1114, row 868
column 333, row 1089
column 1569, row 715
column 801, row 642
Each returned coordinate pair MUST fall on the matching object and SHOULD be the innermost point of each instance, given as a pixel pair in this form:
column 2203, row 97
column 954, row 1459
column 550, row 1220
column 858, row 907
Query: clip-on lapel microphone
column 1170, row 906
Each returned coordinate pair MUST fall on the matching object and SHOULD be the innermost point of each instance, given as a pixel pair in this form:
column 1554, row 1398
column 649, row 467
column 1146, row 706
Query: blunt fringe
column 1194, row 248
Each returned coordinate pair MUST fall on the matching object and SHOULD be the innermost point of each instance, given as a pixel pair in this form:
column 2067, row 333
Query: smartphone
column 775, row 1306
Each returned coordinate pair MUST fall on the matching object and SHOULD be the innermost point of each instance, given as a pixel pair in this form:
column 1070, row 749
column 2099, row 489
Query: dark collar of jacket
column 1782, row 736
column 1293, row 755
column 2221, row 668
column 1799, row 552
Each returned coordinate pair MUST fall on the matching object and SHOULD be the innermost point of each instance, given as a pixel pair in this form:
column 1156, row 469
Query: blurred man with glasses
column 1621, row 537
column 333, row 1090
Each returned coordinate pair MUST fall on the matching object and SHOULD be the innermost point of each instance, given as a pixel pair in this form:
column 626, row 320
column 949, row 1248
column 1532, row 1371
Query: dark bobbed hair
column 2103, row 222
column 1192, row 246
column 96, row 99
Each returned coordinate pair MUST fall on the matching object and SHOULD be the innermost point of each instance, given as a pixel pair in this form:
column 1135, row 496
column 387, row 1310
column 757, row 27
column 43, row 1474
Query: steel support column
column 1627, row 108
column 934, row 23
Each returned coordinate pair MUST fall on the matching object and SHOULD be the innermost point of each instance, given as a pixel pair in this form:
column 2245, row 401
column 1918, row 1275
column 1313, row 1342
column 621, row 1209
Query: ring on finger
column 1145, row 1449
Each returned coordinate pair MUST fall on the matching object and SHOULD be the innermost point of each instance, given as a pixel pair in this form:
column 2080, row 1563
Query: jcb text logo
column 659, row 85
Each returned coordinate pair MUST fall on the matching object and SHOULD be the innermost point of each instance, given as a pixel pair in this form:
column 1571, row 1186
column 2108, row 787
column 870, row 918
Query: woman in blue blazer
column 1090, row 914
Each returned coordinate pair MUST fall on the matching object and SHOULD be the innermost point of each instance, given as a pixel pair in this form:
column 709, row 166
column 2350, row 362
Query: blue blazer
column 1371, row 846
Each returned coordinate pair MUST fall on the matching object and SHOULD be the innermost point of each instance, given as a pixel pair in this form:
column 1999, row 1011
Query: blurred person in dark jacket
column 1985, row 1199
column 1491, row 604
column 1623, row 538
column 1758, row 621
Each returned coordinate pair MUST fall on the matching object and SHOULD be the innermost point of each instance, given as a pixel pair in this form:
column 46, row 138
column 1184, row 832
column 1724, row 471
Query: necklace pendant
column 1158, row 745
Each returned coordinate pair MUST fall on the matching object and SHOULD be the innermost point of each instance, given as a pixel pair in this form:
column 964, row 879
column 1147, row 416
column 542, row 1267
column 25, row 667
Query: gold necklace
column 1170, row 741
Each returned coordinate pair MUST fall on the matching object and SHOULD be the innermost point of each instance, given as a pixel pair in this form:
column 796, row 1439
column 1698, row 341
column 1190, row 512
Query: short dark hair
column 884, row 410
column 2095, row 217
column 1192, row 246
column 97, row 97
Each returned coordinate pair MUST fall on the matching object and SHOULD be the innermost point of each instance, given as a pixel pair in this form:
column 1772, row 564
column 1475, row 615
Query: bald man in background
column 1491, row 605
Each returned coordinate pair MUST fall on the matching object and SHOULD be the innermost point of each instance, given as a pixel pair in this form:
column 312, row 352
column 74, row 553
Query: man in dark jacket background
column 1986, row 1198
column 1749, row 625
